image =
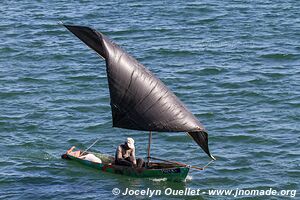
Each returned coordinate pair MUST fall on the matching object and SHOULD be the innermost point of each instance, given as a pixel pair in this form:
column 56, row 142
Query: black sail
column 139, row 100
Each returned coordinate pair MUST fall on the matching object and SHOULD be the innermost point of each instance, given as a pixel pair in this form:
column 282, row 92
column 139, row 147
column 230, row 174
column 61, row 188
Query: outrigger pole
column 149, row 144
column 183, row 164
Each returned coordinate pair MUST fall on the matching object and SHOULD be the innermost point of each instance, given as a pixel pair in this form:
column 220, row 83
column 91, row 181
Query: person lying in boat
column 83, row 155
column 125, row 154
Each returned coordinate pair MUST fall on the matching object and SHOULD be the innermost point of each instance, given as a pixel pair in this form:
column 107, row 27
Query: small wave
column 251, row 139
column 294, row 103
column 279, row 56
column 158, row 179
column 196, row 8
column 15, row 94
column 93, row 127
column 176, row 138
column 212, row 70
column 293, row 173
column 275, row 75
column 203, row 21
column 7, row 50
column 236, row 170
column 189, row 178
column 230, row 85
column 203, row 72
column 83, row 77
column 257, row 81
column 173, row 52
column 82, row 109
column 33, row 80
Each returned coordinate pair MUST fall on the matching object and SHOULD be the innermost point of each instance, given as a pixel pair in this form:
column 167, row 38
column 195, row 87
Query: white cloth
column 130, row 143
column 91, row 157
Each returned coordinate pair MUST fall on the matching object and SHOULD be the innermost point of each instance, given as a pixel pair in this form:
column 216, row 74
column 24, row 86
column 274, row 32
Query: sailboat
column 139, row 101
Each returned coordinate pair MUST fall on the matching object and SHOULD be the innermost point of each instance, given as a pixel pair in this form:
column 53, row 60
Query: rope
column 208, row 164
column 90, row 147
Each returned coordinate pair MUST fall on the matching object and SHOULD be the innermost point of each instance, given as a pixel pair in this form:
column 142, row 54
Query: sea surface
column 235, row 64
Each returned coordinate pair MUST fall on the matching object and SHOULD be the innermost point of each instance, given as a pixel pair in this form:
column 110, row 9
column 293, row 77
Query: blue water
column 235, row 64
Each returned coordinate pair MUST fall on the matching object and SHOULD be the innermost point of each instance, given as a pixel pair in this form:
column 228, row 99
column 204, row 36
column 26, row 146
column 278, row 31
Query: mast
column 149, row 144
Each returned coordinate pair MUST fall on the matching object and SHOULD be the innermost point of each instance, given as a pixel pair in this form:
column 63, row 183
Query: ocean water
column 235, row 64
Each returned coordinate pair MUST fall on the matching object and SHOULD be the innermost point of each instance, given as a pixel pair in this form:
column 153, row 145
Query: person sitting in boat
column 125, row 154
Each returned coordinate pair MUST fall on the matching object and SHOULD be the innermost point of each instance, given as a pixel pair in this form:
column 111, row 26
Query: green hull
column 156, row 170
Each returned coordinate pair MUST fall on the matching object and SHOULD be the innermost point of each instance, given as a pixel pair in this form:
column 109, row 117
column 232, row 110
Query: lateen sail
column 139, row 100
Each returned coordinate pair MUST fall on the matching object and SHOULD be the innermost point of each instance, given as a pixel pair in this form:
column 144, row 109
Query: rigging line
column 208, row 164
column 89, row 147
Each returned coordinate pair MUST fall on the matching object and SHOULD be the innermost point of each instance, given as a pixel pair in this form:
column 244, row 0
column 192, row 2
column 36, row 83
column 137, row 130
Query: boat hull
column 171, row 173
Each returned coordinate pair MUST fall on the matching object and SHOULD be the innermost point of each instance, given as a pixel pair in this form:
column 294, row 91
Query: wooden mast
column 149, row 144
